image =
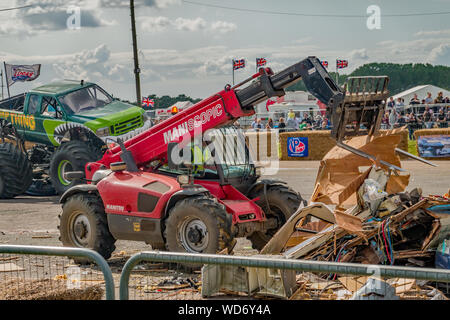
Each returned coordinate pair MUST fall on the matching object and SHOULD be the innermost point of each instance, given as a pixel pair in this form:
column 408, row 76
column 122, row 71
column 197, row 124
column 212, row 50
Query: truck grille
column 127, row 126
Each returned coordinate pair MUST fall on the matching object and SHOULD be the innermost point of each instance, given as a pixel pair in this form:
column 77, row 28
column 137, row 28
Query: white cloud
column 160, row 24
column 189, row 24
column 125, row 4
column 153, row 25
column 440, row 54
column 433, row 33
column 223, row 26
column 359, row 54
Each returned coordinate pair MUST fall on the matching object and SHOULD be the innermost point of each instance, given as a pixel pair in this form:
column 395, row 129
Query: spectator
column 446, row 100
column 324, row 125
column 439, row 98
column 427, row 118
column 307, row 118
column 385, row 121
column 282, row 125
column 412, row 125
column 291, row 114
column 393, row 117
column 441, row 119
column 402, row 119
column 399, row 105
column 255, row 121
column 415, row 100
column 257, row 125
column 303, row 125
column 428, row 99
column 391, row 103
column 269, row 124
column 292, row 123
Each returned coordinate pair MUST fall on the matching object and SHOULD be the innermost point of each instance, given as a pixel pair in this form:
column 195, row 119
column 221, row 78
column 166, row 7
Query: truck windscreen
column 85, row 99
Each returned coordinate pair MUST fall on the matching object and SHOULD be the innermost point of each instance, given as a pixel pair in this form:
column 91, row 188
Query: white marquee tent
column 421, row 92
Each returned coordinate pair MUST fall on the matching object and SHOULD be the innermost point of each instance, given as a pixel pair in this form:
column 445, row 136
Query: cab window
column 33, row 101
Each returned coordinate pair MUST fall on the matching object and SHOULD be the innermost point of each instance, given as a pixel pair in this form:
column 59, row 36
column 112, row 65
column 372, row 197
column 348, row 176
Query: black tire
column 199, row 212
column 70, row 156
column 283, row 202
column 16, row 174
column 83, row 224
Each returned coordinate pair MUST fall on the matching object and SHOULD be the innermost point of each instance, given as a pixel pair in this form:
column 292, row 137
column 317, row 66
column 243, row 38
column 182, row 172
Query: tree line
column 402, row 76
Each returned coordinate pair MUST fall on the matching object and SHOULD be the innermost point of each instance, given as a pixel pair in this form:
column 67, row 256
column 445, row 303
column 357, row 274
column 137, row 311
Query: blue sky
column 187, row 48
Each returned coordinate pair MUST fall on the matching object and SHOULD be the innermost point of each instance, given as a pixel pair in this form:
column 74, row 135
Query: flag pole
column 6, row 78
column 232, row 66
column 1, row 76
column 337, row 74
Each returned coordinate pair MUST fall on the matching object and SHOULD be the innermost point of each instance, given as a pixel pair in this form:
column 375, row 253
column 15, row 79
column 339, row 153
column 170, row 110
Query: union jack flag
column 341, row 64
column 260, row 62
column 238, row 64
column 149, row 103
column 325, row 64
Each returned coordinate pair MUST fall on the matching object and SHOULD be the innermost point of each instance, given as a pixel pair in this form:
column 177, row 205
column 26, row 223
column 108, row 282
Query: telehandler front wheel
column 83, row 224
column 198, row 224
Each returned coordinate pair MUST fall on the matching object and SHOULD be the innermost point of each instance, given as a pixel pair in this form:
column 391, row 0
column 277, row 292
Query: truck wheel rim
column 80, row 230
column 64, row 166
column 194, row 235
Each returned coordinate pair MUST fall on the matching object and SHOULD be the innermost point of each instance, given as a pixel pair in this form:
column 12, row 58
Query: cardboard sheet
column 341, row 172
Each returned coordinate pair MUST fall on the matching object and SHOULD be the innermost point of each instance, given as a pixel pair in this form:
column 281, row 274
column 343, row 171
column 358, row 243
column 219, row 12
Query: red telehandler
column 137, row 191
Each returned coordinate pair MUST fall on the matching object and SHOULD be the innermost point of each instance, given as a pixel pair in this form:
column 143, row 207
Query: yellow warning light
column 174, row 110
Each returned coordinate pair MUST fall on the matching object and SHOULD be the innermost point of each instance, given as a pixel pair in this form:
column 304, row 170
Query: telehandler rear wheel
column 83, row 224
column 198, row 224
column 16, row 174
column 283, row 202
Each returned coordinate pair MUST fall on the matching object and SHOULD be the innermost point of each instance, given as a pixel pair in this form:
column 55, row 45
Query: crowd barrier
column 156, row 275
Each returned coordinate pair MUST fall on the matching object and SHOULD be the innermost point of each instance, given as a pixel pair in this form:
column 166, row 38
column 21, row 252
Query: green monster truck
column 67, row 123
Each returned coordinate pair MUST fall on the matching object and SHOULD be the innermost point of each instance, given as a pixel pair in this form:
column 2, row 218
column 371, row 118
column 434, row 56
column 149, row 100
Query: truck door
column 32, row 104
column 48, row 118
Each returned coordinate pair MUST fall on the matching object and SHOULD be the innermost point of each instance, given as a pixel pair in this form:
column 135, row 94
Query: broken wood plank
column 10, row 267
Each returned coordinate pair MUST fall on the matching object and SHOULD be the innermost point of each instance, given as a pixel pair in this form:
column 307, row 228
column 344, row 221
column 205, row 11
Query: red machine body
column 216, row 111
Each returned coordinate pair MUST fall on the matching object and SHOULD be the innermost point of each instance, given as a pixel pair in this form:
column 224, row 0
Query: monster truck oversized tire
column 16, row 174
column 198, row 224
column 283, row 202
column 83, row 224
column 71, row 156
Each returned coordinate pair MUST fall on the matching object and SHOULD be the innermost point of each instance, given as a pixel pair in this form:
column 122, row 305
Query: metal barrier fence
column 47, row 273
column 147, row 276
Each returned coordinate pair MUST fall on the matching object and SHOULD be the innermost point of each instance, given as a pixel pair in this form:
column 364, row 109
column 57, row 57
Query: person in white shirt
column 428, row 99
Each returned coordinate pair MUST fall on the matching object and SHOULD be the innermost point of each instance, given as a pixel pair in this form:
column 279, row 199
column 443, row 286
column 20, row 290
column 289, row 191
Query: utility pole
column 136, row 57
column 1, row 77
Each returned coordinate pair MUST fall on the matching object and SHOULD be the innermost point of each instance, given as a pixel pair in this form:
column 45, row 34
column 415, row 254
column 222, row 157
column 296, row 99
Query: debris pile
column 360, row 212
column 364, row 216
column 313, row 287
